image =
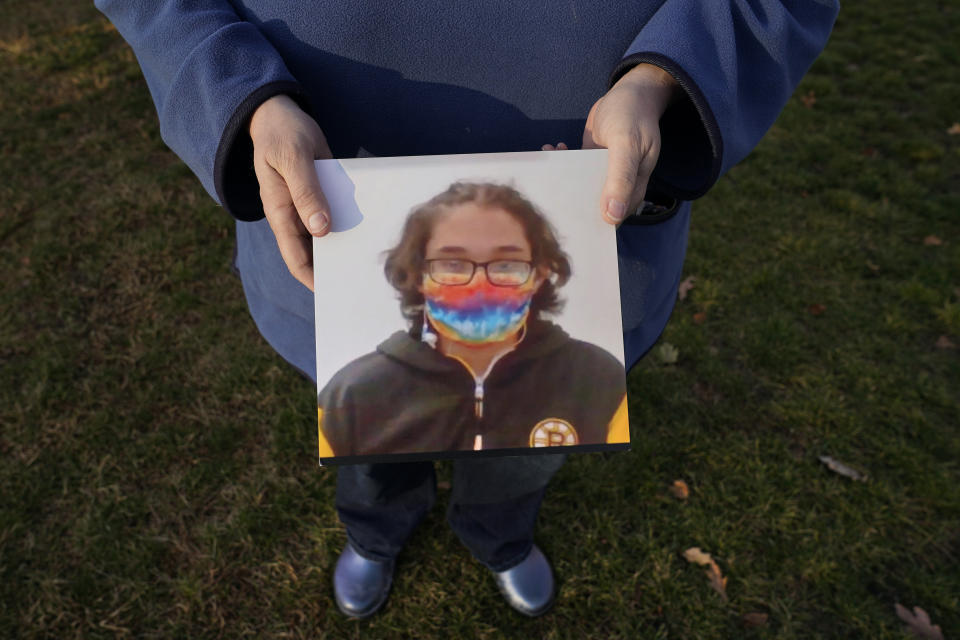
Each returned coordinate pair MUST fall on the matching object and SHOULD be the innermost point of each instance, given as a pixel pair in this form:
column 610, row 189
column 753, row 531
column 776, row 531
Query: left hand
column 626, row 120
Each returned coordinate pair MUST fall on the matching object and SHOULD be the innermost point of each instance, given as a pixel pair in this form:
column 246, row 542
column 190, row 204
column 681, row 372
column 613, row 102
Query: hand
column 286, row 141
column 626, row 120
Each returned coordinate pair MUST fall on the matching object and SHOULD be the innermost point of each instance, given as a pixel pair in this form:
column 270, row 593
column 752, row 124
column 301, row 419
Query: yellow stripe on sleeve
column 619, row 428
column 326, row 451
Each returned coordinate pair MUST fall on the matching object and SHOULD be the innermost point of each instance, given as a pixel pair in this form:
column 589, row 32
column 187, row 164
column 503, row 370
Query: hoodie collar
column 541, row 338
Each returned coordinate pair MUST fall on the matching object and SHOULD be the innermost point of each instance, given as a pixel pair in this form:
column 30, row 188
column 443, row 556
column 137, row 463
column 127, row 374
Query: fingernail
column 616, row 210
column 318, row 223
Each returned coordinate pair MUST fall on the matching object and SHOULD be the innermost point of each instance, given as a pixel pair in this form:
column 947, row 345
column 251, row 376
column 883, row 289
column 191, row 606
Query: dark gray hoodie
column 408, row 398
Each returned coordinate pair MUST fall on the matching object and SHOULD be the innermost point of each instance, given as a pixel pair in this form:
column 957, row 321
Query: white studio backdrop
column 370, row 199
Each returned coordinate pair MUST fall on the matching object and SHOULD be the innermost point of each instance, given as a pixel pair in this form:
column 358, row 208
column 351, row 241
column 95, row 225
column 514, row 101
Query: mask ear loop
column 426, row 335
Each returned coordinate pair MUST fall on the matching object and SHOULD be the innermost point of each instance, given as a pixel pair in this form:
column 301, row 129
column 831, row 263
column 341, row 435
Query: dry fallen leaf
column 838, row 467
column 755, row 619
column 809, row 100
column 954, row 129
column 699, row 317
column 680, row 490
column 816, row 309
column 943, row 342
column 918, row 623
column 717, row 580
column 668, row 353
column 685, row 285
column 697, row 556
column 932, row 241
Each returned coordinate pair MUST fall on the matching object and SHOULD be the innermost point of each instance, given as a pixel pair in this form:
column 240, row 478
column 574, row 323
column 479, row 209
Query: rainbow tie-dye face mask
column 477, row 312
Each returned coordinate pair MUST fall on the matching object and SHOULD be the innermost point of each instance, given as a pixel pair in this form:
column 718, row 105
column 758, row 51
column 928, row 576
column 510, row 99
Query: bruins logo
column 553, row 432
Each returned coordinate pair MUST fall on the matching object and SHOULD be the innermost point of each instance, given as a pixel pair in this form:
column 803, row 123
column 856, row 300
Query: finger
column 293, row 240
column 562, row 146
column 294, row 243
column 588, row 141
column 623, row 163
column 308, row 199
column 297, row 252
column 547, row 147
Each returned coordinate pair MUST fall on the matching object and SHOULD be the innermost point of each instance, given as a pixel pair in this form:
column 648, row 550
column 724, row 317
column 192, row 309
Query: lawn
column 159, row 477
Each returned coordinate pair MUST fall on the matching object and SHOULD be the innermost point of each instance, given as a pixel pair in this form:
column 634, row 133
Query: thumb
column 623, row 163
column 307, row 196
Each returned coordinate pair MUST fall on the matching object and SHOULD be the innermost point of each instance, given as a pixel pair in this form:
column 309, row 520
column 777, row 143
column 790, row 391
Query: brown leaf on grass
column 838, row 467
column 954, row 129
column 680, row 490
column 699, row 317
column 717, row 580
column 696, row 555
column 816, row 309
column 873, row 266
column 685, row 285
column 932, row 241
column 809, row 100
column 943, row 342
column 869, row 152
column 755, row 619
column 918, row 623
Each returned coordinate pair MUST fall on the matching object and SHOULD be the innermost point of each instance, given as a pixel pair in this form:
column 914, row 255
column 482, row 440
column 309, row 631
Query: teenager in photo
column 479, row 368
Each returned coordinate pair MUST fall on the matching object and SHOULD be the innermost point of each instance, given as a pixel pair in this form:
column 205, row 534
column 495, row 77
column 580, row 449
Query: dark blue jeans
column 493, row 504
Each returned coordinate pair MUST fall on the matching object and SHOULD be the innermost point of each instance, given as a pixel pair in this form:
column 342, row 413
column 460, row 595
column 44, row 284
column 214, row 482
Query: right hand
column 286, row 141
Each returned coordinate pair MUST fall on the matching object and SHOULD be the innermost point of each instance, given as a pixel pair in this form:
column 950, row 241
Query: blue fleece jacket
column 413, row 77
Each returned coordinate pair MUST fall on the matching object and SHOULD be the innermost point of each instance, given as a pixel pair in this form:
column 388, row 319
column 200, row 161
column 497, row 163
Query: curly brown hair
column 404, row 263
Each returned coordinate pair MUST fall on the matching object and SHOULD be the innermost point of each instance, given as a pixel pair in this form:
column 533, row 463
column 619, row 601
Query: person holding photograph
column 479, row 369
column 250, row 92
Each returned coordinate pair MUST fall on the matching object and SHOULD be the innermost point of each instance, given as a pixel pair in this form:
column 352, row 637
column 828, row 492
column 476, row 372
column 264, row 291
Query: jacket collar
column 541, row 338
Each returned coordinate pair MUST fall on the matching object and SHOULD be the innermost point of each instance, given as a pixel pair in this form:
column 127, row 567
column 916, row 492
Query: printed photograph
column 468, row 305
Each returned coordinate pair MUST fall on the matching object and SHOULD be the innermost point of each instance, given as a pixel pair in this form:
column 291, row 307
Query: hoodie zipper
column 478, row 384
column 478, row 392
column 478, row 399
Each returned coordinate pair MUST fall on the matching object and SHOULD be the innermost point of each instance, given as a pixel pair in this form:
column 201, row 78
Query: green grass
column 159, row 477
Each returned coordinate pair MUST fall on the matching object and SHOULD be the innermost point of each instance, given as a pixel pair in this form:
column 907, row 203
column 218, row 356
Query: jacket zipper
column 478, row 399
column 478, row 393
column 478, row 388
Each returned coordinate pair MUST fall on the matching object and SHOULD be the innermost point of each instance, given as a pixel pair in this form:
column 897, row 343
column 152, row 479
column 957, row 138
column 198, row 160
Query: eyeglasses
column 500, row 273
